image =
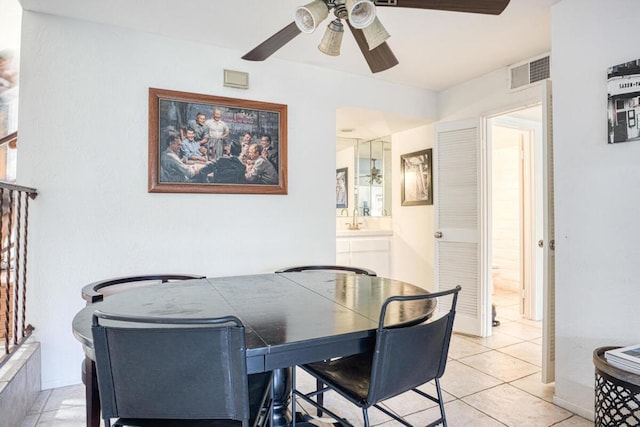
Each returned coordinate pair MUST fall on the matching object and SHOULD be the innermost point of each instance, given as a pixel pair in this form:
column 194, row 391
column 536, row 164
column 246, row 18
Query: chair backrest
column 412, row 353
column 171, row 368
column 95, row 291
column 339, row 268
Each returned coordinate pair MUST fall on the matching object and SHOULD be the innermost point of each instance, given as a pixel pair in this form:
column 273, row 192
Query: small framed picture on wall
column 342, row 188
column 417, row 178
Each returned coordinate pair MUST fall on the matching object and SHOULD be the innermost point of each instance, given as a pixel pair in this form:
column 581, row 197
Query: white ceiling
column 436, row 49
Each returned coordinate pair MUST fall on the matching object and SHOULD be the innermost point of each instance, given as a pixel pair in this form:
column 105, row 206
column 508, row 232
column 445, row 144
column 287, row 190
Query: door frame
column 531, row 268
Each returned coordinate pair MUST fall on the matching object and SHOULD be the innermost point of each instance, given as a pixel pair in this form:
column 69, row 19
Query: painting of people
column 208, row 144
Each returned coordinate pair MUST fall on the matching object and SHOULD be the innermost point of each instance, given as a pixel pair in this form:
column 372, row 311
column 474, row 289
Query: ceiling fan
column 375, row 177
column 360, row 17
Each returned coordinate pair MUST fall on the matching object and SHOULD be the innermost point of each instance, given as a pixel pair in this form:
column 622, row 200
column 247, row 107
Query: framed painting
column 211, row 144
column 623, row 102
column 342, row 188
column 416, row 178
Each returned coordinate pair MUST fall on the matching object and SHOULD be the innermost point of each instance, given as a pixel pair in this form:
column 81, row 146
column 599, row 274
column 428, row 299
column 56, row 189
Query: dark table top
column 290, row 318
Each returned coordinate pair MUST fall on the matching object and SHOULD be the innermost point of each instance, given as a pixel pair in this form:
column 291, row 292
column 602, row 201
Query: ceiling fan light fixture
column 375, row 34
column 332, row 39
column 361, row 13
column 308, row 17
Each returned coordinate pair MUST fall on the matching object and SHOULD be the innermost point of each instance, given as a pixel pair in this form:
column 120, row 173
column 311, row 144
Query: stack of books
column 625, row 358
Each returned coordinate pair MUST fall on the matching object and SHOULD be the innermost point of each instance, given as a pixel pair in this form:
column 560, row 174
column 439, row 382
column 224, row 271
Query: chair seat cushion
column 350, row 376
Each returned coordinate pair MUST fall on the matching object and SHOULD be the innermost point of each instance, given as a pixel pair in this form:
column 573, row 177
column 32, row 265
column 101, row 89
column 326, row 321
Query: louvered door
column 459, row 253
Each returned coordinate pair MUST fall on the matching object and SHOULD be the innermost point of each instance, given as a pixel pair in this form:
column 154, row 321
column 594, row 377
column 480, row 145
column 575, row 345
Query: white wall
column 484, row 96
column 596, row 186
column 83, row 145
column 412, row 244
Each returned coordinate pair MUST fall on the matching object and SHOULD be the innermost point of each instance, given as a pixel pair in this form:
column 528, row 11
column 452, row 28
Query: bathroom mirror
column 373, row 177
column 368, row 164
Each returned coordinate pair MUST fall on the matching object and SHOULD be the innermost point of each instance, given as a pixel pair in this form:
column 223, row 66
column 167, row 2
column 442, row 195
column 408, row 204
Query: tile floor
column 488, row 382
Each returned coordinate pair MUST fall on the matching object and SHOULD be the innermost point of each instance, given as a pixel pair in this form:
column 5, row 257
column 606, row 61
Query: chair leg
column 365, row 415
column 293, row 396
column 320, row 398
column 440, row 402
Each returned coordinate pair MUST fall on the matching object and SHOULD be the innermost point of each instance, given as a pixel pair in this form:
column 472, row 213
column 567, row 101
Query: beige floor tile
column 497, row 340
column 458, row 414
column 510, row 313
column 66, row 397
column 500, row 365
column 71, row 416
column 527, row 351
column 430, row 388
column 461, row 380
column 516, row 408
column 537, row 341
column 40, row 402
column 532, row 323
column 460, row 348
column 408, row 403
column 505, row 290
column 505, row 300
column 30, row 420
column 344, row 409
column 519, row 330
column 575, row 421
column 533, row 385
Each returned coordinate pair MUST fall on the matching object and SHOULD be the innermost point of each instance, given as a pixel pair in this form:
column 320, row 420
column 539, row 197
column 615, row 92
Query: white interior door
column 548, row 243
column 460, row 246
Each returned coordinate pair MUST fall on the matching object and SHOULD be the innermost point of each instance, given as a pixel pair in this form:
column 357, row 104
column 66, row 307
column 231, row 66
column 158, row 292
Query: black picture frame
column 342, row 188
column 623, row 102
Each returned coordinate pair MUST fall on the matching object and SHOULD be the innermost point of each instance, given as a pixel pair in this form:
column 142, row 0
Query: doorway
column 515, row 262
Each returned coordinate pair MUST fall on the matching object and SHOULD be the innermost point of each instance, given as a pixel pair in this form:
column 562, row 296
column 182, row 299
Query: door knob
column 540, row 243
column 552, row 245
column 437, row 234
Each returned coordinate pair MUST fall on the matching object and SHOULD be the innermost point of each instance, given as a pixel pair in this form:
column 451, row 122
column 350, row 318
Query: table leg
column 92, row 395
column 281, row 396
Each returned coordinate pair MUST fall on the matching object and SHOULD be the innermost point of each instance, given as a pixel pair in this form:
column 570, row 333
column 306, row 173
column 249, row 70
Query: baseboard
column 578, row 410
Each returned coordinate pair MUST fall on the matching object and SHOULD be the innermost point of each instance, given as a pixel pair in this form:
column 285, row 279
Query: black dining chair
column 96, row 291
column 335, row 268
column 338, row 268
column 406, row 355
column 165, row 372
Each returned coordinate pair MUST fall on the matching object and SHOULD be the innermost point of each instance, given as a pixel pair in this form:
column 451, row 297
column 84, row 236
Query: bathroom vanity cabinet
column 365, row 248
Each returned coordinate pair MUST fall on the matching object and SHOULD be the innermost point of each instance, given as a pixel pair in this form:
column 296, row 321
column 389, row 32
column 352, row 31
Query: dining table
column 290, row 319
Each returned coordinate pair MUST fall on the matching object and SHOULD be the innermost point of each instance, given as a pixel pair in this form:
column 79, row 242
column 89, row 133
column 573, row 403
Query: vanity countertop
column 363, row 233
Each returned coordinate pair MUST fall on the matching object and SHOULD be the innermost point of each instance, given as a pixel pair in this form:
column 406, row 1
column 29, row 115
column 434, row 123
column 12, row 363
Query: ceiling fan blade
column 273, row 43
column 379, row 59
column 490, row 7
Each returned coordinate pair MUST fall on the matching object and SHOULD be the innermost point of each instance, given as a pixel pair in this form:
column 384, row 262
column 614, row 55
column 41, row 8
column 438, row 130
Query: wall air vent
column 526, row 73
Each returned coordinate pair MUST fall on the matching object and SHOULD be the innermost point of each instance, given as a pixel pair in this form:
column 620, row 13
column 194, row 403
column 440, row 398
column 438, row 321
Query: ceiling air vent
column 526, row 73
